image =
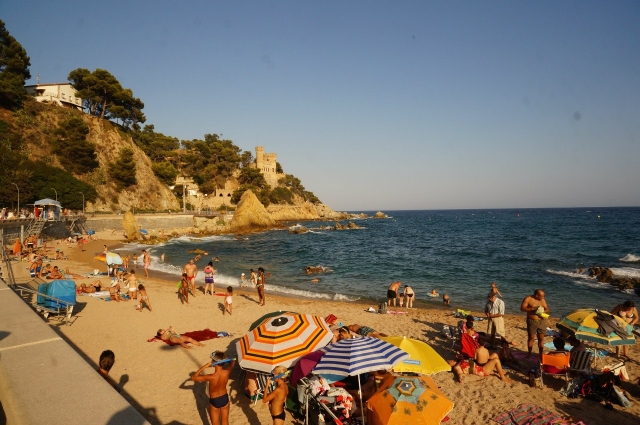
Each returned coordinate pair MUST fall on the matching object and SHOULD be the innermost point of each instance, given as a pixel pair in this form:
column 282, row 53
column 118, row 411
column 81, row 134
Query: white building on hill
column 61, row 94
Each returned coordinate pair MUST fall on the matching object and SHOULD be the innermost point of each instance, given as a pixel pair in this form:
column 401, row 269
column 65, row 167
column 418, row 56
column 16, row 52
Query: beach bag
column 382, row 308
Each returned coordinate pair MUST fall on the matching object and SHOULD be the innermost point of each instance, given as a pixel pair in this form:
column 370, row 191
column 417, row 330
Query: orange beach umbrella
column 281, row 340
column 409, row 400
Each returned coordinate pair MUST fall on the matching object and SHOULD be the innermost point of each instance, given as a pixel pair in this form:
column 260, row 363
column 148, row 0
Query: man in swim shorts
column 365, row 331
column 535, row 305
column 218, row 397
column 278, row 396
column 192, row 271
column 392, row 293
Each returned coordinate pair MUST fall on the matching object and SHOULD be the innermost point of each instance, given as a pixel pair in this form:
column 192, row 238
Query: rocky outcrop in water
column 380, row 214
column 351, row 225
column 251, row 215
column 605, row 275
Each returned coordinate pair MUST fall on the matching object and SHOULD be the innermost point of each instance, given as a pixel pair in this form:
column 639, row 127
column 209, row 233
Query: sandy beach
column 154, row 377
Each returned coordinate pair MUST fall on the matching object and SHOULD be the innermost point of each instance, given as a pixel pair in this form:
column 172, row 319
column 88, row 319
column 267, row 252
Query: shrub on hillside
column 123, row 170
column 166, row 172
column 74, row 152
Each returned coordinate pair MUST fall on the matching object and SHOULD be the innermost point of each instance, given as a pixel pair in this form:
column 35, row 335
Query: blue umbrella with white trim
column 354, row 356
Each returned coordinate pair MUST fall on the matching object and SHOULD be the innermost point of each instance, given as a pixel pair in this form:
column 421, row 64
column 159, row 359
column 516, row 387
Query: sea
column 457, row 252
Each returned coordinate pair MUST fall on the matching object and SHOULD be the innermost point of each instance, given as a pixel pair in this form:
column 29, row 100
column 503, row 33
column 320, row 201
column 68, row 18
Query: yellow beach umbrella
column 422, row 358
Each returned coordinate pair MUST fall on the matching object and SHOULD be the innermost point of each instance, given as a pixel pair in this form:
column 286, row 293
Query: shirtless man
column 218, row 397
column 278, row 396
column 392, row 293
column 146, row 261
column 192, row 271
column 536, row 325
column 55, row 274
column 95, row 286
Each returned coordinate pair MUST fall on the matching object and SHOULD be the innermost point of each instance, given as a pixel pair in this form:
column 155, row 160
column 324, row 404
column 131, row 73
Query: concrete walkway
column 44, row 381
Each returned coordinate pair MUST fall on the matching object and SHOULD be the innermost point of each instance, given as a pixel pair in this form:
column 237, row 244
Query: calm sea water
column 458, row 252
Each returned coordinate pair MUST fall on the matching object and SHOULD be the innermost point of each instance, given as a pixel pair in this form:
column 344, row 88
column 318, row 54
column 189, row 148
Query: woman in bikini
column 628, row 312
column 218, row 397
column 170, row 335
column 208, row 278
column 260, row 285
column 409, row 296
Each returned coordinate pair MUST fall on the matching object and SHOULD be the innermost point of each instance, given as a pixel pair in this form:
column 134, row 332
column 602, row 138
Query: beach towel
column 199, row 336
column 396, row 312
column 527, row 414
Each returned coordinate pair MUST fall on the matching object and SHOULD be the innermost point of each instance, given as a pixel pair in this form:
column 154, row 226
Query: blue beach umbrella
column 354, row 356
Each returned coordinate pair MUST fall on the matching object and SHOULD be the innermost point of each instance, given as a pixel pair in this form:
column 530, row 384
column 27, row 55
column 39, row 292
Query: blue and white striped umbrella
column 353, row 356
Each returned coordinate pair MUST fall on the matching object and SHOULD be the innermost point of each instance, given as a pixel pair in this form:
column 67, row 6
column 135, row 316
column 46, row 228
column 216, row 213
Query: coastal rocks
column 314, row 269
column 380, row 214
column 351, row 225
column 131, row 227
column 305, row 211
column 250, row 215
column 605, row 275
column 298, row 229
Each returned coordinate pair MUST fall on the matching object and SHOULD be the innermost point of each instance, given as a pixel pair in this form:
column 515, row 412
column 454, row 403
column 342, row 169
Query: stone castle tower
column 266, row 163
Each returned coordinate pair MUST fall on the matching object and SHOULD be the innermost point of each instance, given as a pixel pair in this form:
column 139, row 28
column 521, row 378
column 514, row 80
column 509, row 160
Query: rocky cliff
column 250, row 215
column 304, row 211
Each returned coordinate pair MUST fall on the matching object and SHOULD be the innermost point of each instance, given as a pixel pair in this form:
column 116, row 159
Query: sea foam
column 630, row 258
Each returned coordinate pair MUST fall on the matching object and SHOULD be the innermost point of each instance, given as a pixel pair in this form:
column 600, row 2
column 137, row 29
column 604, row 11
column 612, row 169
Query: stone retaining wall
column 147, row 222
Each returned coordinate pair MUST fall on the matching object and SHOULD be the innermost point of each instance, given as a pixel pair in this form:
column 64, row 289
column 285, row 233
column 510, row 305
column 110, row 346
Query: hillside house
column 61, row 94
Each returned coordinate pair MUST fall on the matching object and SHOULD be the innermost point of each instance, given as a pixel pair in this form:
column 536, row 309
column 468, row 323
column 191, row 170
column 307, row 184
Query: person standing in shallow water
column 208, row 278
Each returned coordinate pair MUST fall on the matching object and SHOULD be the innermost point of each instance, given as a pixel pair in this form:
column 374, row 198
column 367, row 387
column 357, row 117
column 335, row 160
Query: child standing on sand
column 144, row 298
column 228, row 301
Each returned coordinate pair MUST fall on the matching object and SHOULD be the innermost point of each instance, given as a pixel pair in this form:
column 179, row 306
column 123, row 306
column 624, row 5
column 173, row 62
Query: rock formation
column 250, row 215
column 131, row 227
column 380, row 214
column 605, row 275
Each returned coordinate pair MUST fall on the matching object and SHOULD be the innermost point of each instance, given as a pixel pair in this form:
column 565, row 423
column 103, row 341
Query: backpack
column 382, row 308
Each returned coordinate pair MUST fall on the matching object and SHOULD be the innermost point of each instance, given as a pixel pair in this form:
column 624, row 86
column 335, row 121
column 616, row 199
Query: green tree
column 281, row 195
column 165, row 171
column 295, row 186
column 253, row 177
column 261, row 194
column 46, row 177
column 123, row 170
column 279, row 168
column 75, row 153
column 157, row 146
column 246, row 159
column 14, row 70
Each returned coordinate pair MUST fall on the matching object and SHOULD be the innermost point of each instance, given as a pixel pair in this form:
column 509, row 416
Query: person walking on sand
column 260, row 285
column 146, row 262
column 218, row 397
column 392, row 293
column 192, row 271
column 209, row 271
column 278, row 396
column 184, row 288
column 537, row 311
column 228, row 301
column 144, row 298
column 409, row 295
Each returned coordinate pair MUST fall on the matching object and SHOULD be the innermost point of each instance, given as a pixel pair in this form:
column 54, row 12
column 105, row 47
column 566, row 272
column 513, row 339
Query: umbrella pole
column 361, row 403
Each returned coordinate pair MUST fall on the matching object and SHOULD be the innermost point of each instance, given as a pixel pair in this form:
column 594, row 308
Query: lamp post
column 56, row 193
column 82, row 202
column 18, row 198
column 184, row 199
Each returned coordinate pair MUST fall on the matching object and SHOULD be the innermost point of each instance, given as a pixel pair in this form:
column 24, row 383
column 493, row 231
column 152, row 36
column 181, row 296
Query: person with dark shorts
column 278, row 396
column 537, row 312
column 409, row 296
column 392, row 293
column 218, row 397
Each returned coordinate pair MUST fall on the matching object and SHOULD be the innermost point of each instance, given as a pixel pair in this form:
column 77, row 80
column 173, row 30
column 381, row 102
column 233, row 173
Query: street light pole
column 184, row 199
column 18, row 198
column 82, row 202
column 56, row 193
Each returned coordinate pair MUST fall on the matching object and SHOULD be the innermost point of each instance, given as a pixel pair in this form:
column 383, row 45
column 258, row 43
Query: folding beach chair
column 554, row 365
column 451, row 334
column 580, row 362
column 261, row 380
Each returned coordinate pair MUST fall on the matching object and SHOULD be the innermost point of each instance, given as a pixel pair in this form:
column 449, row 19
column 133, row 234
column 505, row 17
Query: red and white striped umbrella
column 281, row 340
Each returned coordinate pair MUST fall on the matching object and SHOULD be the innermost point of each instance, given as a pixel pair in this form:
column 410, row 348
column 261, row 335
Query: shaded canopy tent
column 51, row 209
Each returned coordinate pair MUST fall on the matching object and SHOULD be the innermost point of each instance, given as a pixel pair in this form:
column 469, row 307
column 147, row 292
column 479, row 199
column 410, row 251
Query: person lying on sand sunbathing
column 365, row 331
column 340, row 334
column 484, row 365
column 94, row 286
column 173, row 337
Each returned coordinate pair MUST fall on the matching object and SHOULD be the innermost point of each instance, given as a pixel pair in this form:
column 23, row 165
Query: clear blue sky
column 379, row 105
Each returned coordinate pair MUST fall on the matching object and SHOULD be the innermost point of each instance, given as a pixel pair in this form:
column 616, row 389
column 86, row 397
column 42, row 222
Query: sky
column 379, row 105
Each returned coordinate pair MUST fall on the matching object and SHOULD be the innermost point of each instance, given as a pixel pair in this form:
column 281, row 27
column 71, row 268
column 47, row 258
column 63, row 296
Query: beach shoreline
column 154, row 377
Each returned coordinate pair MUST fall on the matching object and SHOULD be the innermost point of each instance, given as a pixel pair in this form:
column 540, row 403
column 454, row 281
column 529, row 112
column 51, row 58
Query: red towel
column 199, row 336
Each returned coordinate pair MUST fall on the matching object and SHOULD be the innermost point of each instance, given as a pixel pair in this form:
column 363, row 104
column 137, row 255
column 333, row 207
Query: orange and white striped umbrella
column 281, row 340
